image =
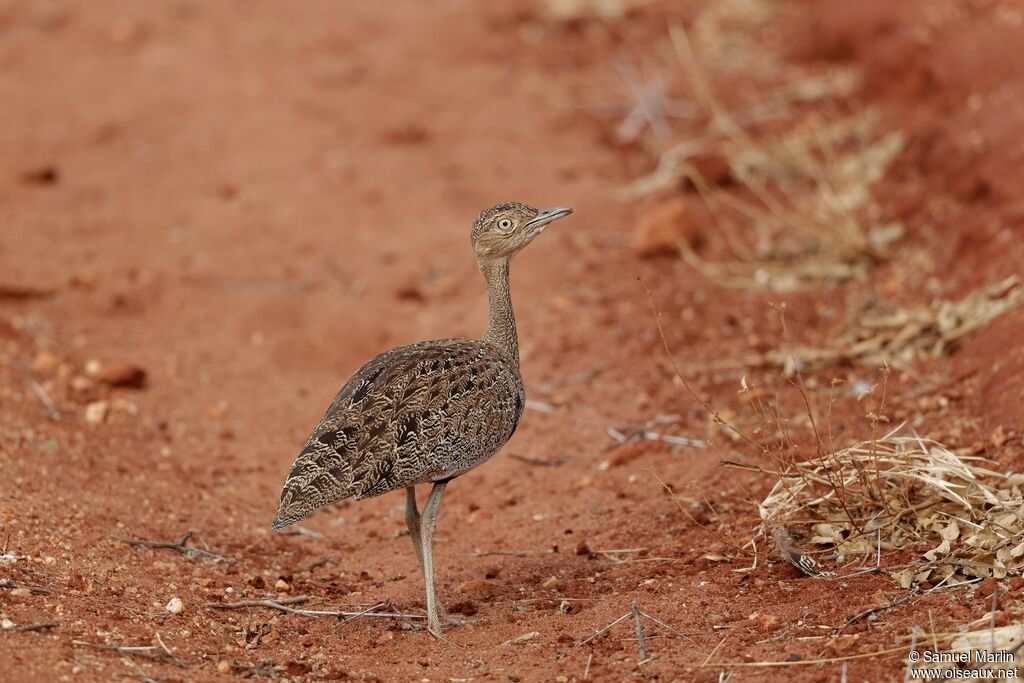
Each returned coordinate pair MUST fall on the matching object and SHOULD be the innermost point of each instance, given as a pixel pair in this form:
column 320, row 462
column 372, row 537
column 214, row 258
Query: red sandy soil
column 249, row 199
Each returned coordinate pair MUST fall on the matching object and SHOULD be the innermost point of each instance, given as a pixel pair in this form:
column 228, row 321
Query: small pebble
column 224, row 666
column 175, row 606
column 122, row 375
column 96, row 412
column 6, row 624
column 282, row 586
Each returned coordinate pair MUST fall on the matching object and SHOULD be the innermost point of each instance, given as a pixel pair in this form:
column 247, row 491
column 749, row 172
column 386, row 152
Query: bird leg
column 428, row 522
column 412, row 520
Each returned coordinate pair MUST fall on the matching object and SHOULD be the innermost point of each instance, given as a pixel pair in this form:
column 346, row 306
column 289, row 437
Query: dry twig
column 27, row 628
column 181, row 545
column 283, row 606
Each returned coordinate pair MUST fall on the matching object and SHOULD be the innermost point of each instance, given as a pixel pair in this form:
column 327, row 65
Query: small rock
column 122, row 375
column 666, row 228
column 767, row 622
column 713, row 168
column 551, row 582
column 523, row 638
column 42, row 175
column 411, row 293
column 477, row 515
column 96, row 412
column 45, row 361
column 7, row 624
column 480, row 588
column 80, row 384
column 93, row 367
column 582, row 548
column 281, row 586
column 224, row 666
column 175, row 606
column 21, row 593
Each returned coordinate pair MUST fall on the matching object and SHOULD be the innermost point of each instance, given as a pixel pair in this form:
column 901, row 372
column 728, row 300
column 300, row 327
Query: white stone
column 175, row 606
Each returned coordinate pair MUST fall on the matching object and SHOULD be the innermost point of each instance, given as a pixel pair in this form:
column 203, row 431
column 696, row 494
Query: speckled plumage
column 412, row 415
column 426, row 412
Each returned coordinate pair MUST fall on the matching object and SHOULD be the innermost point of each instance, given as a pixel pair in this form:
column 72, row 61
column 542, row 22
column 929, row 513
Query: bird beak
column 546, row 216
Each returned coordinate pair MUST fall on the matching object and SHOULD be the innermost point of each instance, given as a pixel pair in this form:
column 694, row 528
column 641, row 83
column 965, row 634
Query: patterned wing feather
column 415, row 414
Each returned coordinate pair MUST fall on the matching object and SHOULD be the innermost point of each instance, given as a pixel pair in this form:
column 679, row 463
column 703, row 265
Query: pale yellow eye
column 505, row 224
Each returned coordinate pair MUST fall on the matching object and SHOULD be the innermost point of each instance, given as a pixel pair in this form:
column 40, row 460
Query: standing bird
column 426, row 412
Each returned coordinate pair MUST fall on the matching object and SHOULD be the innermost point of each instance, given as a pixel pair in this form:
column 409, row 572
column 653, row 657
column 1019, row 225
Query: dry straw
column 802, row 209
column 897, row 337
column 960, row 520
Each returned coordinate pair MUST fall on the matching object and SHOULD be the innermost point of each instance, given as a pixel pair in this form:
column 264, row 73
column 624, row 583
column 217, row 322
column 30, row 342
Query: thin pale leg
column 428, row 522
column 412, row 520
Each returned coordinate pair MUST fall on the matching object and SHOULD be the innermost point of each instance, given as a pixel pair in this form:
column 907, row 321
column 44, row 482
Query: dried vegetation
column 958, row 519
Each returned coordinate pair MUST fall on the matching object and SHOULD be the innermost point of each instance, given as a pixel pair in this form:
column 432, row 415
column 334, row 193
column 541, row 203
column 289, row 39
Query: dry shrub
column 897, row 337
column 904, row 492
column 800, row 208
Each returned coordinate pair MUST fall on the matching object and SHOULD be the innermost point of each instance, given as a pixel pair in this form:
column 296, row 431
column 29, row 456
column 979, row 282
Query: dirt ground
column 246, row 200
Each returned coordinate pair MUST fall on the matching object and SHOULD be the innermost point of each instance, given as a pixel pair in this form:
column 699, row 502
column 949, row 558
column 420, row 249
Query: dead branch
column 507, row 553
column 181, row 545
column 641, row 636
column 541, row 462
column 27, row 628
column 313, row 564
column 875, row 610
column 51, row 407
column 641, row 645
column 282, row 605
column 7, row 583
column 155, row 653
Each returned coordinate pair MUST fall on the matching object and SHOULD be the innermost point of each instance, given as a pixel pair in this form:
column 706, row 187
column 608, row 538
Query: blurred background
column 212, row 213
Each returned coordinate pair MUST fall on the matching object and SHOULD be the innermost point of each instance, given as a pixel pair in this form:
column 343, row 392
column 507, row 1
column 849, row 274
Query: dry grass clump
column 563, row 10
column 900, row 337
column 904, row 492
column 799, row 209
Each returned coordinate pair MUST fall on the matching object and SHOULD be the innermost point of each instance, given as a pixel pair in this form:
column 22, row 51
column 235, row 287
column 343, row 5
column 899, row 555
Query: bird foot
column 444, row 620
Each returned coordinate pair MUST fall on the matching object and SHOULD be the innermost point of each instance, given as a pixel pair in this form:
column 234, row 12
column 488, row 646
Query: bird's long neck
column 501, row 321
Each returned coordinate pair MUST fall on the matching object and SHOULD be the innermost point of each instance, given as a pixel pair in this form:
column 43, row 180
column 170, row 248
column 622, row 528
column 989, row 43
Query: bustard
column 426, row 412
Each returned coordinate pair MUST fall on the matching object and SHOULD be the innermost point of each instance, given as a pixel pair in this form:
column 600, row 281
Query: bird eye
column 505, row 224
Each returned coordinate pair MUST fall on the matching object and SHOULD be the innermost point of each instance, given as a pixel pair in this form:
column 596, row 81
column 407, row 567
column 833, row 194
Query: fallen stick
column 282, row 605
column 553, row 462
column 51, row 407
column 602, row 630
column 152, row 652
column 181, row 545
column 27, row 628
column 635, row 612
column 874, row 610
column 507, row 553
column 641, row 645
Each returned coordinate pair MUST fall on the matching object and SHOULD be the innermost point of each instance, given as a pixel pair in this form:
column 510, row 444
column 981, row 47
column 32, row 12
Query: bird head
column 501, row 231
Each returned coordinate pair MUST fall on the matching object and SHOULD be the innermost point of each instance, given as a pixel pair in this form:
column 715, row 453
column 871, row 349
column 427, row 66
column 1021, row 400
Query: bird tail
column 283, row 520
column 292, row 508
